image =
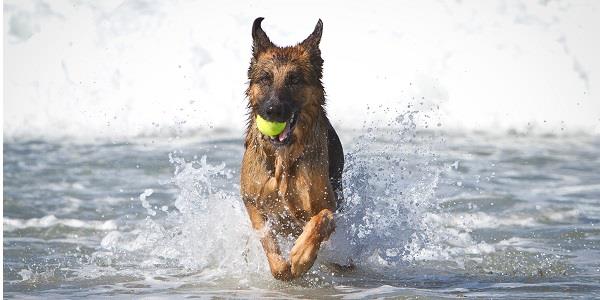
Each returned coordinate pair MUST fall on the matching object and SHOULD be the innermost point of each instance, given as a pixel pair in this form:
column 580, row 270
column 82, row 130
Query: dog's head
column 285, row 83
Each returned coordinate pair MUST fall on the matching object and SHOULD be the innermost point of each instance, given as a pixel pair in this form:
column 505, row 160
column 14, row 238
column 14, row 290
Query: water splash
column 391, row 220
column 208, row 233
column 389, row 188
column 389, row 183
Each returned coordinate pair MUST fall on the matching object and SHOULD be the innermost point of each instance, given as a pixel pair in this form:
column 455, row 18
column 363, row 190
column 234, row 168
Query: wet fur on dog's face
column 285, row 84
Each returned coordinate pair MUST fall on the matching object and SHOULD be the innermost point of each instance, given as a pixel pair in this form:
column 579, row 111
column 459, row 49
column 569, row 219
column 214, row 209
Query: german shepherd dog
column 291, row 183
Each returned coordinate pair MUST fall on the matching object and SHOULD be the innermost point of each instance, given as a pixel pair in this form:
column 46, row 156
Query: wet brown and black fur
column 291, row 185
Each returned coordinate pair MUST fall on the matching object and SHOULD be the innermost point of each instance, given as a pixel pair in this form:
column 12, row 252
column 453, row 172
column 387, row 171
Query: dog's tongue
column 286, row 132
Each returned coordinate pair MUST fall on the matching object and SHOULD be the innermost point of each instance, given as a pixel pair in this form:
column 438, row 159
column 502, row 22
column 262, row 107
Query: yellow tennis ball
column 269, row 128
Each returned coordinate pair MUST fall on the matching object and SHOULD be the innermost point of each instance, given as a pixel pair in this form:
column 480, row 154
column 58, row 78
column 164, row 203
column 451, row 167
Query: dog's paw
column 307, row 245
column 303, row 255
column 327, row 225
column 280, row 268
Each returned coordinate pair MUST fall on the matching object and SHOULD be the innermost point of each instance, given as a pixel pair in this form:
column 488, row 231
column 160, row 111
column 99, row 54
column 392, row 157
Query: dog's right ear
column 313, row 40
column 260, row 40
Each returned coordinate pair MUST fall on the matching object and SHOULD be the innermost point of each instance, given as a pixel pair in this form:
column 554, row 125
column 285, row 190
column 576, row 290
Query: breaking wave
column 477, row 63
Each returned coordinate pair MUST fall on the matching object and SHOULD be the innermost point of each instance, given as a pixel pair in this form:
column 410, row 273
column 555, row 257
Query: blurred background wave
column 115, row 70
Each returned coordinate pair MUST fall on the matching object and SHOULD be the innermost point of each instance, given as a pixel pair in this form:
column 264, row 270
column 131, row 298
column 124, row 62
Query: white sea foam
column 145, row 203
column 479, row 219
column 469, row 221
column 36, row 277
column 135, row 68
column 11, row 224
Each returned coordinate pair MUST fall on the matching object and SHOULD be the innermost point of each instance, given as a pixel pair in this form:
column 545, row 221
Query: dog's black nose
column 270, row 111
column 273, row 111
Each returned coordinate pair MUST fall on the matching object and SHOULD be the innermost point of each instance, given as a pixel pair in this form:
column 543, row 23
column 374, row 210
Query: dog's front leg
column 304, row 252
column 280, row 268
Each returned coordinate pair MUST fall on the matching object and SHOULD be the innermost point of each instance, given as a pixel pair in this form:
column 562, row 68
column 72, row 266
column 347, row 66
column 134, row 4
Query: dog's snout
column 276, row 111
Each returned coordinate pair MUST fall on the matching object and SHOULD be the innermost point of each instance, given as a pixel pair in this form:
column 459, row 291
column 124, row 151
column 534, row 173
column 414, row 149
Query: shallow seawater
column 427, row 214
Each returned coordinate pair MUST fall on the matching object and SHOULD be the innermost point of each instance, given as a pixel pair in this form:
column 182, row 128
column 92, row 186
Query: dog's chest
column 300, row 193
column 287, row 195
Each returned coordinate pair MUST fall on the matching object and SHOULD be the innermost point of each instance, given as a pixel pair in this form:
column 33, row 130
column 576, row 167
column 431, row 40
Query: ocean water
column 471, row 132
column 428, row 214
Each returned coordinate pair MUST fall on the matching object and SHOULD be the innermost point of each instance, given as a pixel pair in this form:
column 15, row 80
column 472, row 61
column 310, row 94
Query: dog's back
column 336, row 164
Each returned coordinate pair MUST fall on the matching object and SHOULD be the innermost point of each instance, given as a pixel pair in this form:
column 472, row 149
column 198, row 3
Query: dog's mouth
column 285, row 137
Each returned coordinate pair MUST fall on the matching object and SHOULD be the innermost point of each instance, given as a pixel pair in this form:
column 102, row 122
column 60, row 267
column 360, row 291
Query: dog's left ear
column 312, row 41
column 260, row 40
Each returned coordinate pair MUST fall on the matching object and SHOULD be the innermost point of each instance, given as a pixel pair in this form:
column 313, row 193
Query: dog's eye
column 264, row 79
column 294, row 79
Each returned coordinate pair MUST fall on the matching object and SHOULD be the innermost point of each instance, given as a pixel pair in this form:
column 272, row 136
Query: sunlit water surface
column 427, row 214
